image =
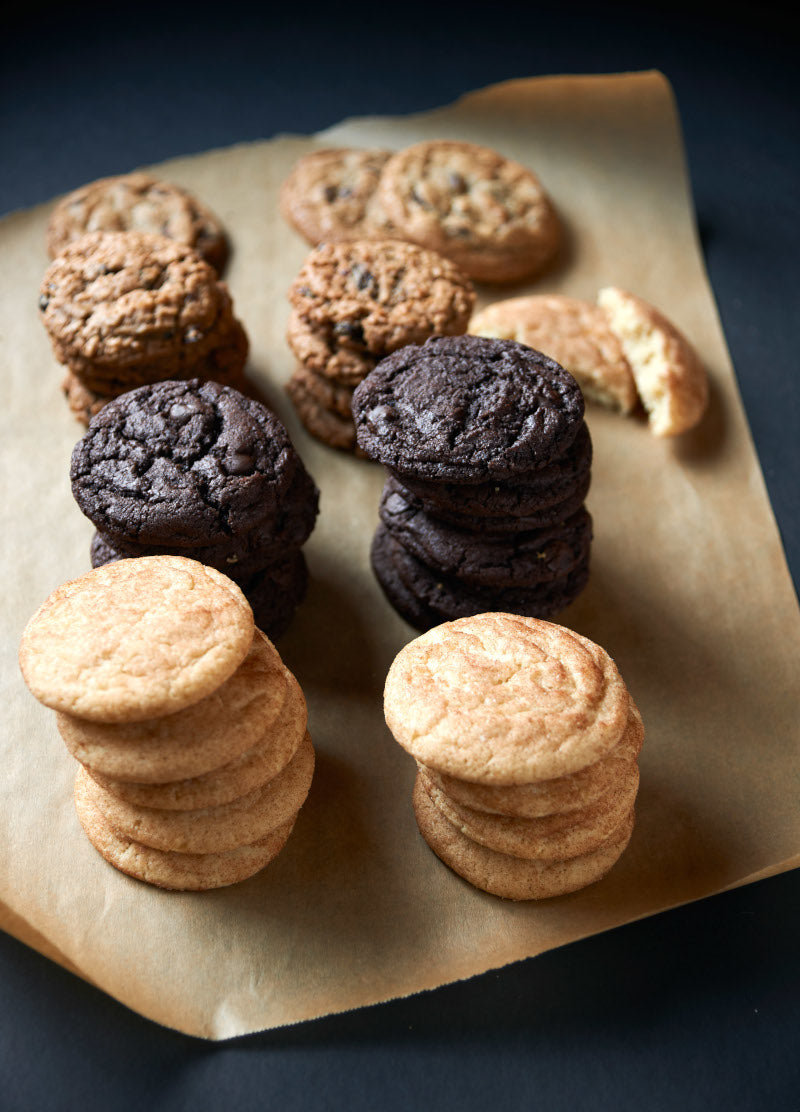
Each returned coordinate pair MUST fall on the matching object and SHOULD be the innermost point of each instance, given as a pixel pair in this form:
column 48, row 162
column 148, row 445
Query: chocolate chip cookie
column 138, row 202
column 127, row 308
column 331, row 195
column 487, row 213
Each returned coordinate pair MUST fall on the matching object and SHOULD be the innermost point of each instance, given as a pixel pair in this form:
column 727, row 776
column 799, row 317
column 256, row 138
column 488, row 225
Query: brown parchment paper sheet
column 689, row 592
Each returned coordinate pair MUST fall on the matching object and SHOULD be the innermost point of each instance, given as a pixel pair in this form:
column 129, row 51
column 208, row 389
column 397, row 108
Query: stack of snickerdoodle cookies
column 526, row 740
column 352, row 304
column 189, row 729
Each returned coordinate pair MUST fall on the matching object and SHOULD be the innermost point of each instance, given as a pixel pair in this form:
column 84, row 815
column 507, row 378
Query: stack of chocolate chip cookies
column 199, row 470
column 526, row 740
column 489, row 460
column 355, row 302
column 189, row 729
column 123, row 309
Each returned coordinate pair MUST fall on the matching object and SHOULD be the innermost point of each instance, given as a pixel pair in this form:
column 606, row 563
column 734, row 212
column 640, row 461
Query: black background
column 696, row 1008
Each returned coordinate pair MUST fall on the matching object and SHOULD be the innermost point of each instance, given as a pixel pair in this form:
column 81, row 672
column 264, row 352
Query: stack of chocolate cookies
column 527, row 742
column 352, row 304
column 489, row 462
column 197, row 469
column 189, row 730
column 123, row 309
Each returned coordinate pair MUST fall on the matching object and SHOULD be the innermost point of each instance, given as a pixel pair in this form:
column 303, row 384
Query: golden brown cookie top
column 137, row 202
column 503, row 699
column 670, row 378
column 331, row 195
column 573, row 332
column 486, row 212
column 364, row 299
column 113, row 301
column 136, row 639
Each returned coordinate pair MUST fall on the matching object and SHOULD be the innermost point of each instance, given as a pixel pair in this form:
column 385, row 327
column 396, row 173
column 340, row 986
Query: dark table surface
column 696, row 1008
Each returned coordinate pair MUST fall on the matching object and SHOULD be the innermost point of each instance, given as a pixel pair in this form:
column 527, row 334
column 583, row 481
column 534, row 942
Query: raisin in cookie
column 486, row 212
column 137, row 203
column 130, row 307
column 331, row 195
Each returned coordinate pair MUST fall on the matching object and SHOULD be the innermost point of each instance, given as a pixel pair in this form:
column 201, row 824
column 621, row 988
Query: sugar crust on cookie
column 136, row 639
column 503, row 699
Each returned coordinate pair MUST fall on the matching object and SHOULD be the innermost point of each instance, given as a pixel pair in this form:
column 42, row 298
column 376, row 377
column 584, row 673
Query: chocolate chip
column 364, row 279
column 352, row 330
column 456, row 182
column 44, row 301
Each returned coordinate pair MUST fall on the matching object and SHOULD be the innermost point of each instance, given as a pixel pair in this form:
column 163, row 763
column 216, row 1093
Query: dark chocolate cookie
column 521, row 559
column 439, row 598
column 533, row 500
column 275, row 593
column 188, row 465
column 467, row 409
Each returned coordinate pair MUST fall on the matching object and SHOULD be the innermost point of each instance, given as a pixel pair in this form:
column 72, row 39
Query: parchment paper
column 689, row 592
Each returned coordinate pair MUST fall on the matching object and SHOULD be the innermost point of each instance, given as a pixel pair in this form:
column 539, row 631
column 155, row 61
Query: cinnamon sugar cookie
column 487, row 213
column 503, row 699
column 137, row 202
column 136, row 639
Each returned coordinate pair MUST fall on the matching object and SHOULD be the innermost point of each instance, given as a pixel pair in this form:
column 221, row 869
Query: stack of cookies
column 189, row 729
column 487, row 213
column 355, row 302
column 526, row 740
column 489, row 460
column 199, row 470
column 123, row 309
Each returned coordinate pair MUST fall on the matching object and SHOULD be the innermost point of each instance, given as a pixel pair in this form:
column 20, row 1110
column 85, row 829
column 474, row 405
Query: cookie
column 331, row 195
column 137, row 308
column 467, row 409
column 501, row 699
column 514, row 878
column 175, row 871
column 275, row 593
column 444, row 598
column 240, row 776
column 486, row 212
column 137, row 203
column 205, row 736
column 670, row 378
column 565, row 794
column 190, row 465
column 324, row 406
column 554, row 837
column 573, row 332
column 355, row 302
column 520, row 559
column 136, row 639
column 211, row 829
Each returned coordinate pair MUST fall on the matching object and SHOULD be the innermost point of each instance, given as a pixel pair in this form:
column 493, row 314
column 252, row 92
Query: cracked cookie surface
column 136, row 639
column 135, row 307
column 188, row 465
column 138, row 202
column 486, row 212
column 467, row 409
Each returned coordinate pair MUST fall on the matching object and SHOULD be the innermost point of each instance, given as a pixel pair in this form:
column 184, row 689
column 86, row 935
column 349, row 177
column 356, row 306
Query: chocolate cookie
column 133, row 308
column 469, row 203
column 275, row 593
column 188, row 465
column 353, row 303
column 137, row 203
column 521, row 559
column 440, row 598
column 331, row 195
column 534, row 500
column 467, row 409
